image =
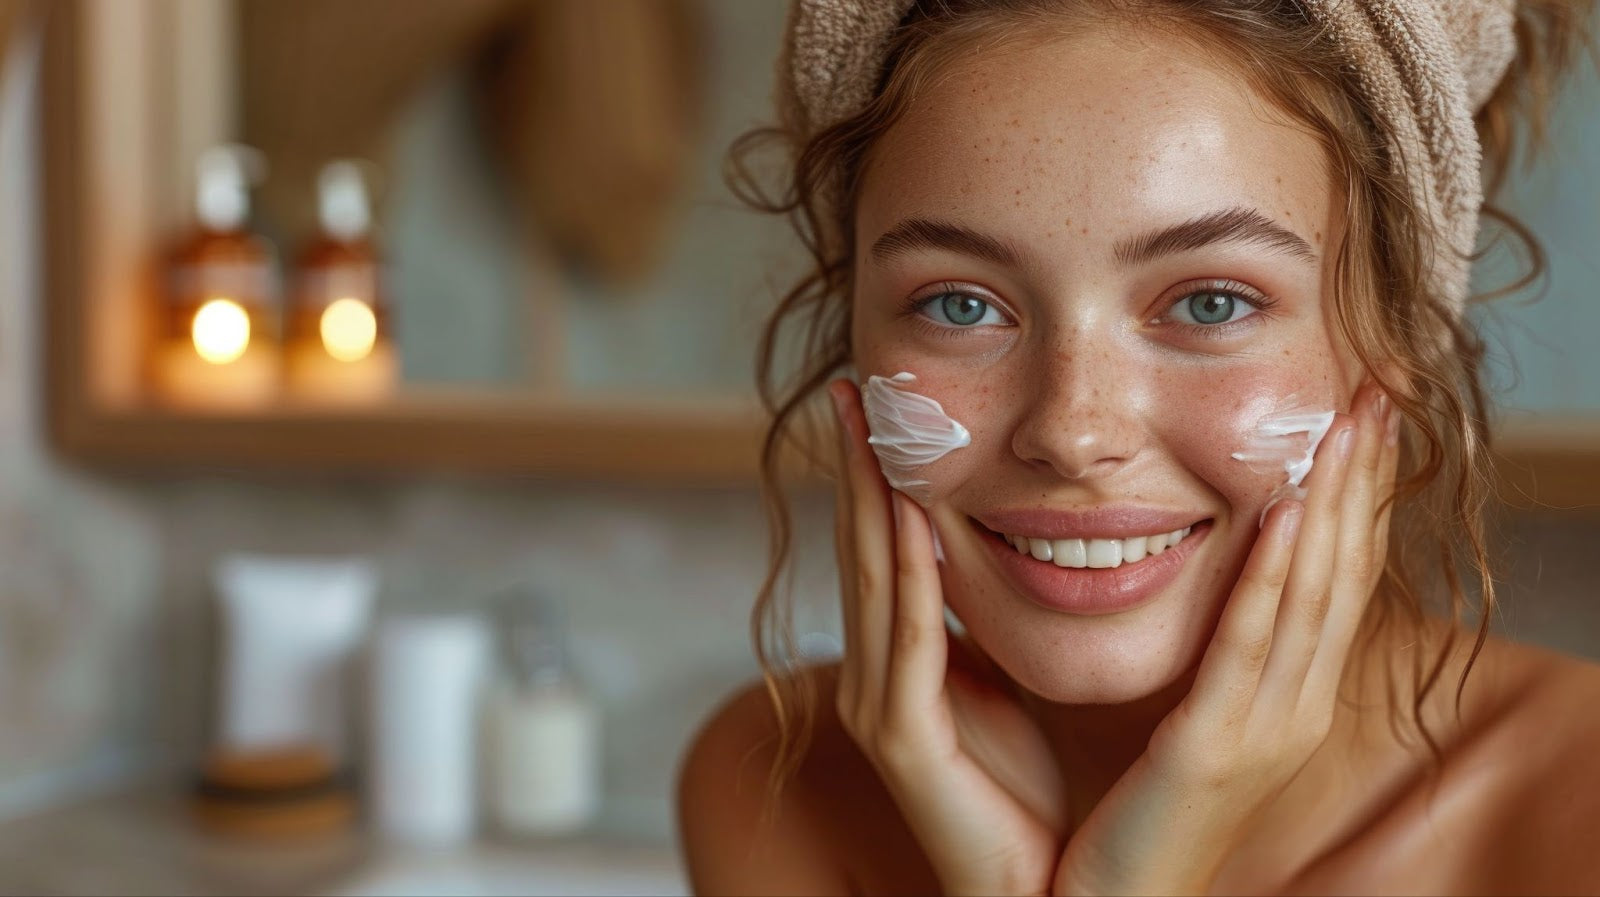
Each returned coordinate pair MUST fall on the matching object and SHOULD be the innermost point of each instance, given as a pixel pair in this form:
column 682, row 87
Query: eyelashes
column 1260, row 305
column 914, row 309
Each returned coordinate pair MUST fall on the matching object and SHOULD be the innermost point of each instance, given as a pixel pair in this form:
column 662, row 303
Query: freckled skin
column 1091, row 397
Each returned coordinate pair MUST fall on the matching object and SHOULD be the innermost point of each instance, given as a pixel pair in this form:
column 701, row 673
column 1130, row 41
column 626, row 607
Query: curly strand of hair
column 1538, row 261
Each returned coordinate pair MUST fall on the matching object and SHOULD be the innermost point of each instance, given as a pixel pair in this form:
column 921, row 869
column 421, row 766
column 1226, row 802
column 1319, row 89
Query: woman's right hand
column 971, row 773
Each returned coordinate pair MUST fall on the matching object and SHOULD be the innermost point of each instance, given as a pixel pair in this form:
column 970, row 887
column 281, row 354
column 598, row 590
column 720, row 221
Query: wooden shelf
column 705, row 441
column 1550, row 462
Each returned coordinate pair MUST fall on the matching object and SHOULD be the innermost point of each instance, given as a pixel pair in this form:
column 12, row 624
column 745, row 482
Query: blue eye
column 960, row 310
column 1211, row 307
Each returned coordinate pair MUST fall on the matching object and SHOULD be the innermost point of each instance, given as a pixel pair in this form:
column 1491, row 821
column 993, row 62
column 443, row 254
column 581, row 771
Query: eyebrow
column 1233, row 225
column 913, row 234
column 1238, row 224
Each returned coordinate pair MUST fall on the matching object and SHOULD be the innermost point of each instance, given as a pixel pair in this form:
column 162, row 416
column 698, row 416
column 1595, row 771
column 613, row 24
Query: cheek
column 1205, row 427
column 960, row 400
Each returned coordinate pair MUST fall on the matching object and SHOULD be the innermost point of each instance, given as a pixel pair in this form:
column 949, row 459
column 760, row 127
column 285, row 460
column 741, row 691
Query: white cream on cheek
column 1285, row 439
column 908, row 431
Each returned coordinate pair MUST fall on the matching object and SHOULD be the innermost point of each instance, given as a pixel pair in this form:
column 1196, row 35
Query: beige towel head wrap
column 1428, row 65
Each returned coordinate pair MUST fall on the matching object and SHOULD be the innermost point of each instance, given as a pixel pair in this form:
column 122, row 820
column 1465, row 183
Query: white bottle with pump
column 542, row 732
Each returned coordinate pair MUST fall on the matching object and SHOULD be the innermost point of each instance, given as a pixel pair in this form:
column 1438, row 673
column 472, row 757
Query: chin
column 1069, row 661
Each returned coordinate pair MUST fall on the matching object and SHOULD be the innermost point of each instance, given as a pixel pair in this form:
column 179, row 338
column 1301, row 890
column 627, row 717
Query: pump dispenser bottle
column 340, row 348
column 218, row 330
column 542, row 731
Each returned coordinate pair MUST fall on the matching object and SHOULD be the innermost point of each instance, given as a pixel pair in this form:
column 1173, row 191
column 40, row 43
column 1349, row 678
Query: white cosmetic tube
column 429, row 673
column 291, row 627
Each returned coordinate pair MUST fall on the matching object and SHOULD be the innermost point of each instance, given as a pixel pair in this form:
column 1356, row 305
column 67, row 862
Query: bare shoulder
column 1545, row 737
column 833, row 829
column 733, row 840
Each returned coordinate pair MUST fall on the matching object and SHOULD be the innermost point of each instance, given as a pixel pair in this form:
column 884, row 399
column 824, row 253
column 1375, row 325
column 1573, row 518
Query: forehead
column 1094, row 137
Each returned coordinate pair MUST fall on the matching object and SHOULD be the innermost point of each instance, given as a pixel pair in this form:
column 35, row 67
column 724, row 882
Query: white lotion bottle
column 542, row 731
column 428, row 676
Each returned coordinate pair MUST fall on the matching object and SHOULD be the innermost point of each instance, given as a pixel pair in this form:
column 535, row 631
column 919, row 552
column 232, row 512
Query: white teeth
column 1104, row 553
column 1097, row 553
column 1133, row 549
column 1070, row 553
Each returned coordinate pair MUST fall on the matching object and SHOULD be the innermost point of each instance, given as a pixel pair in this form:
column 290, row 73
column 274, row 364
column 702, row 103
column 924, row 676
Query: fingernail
column 1381, row 408
column 1345, row 442
column 1391, row 432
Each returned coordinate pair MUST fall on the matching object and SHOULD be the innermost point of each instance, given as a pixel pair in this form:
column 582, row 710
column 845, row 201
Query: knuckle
column 868, row 582
column 890, row 748
column 1359, row 567
column 909, row 636
column 1314, row 609
column 1253, row 650
column 1320, row 727
column 1268, row 581
column 1371, row 461
column 1218, row 770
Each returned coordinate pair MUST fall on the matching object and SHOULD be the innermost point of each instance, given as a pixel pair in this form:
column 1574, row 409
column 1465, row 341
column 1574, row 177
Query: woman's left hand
column 1264, row 695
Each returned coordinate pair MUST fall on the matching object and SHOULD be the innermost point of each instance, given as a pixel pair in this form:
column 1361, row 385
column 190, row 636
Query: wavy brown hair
column 1412, row 341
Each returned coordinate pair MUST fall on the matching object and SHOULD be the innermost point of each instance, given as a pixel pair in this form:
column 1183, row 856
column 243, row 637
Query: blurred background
column 378, row 497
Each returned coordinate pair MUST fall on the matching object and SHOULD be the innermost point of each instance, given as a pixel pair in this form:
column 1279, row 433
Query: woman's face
column 1005, row 257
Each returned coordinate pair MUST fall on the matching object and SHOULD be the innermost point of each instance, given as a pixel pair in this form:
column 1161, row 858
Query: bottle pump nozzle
column 343, row 206
column 223, row 175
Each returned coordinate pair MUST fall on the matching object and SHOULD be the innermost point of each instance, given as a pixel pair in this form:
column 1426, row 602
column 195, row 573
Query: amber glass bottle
column 340, row 347
column 217, row 335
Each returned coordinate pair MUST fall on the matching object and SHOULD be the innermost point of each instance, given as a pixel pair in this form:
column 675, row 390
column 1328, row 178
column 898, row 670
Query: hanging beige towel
column 599, row 108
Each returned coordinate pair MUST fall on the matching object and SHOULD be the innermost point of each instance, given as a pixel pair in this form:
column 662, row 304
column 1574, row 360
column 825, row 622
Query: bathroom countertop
column 142, row 842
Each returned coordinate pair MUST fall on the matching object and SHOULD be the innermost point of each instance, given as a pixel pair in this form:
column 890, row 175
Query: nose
column 1082, row 422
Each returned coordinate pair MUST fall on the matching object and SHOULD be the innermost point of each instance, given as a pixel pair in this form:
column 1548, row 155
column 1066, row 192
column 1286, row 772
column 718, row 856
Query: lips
column 1088, row 590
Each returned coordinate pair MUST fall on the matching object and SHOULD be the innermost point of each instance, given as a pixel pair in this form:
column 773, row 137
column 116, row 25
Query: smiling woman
column 1190, row 278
